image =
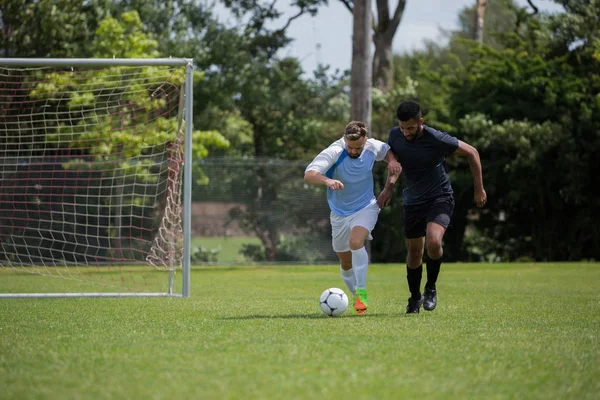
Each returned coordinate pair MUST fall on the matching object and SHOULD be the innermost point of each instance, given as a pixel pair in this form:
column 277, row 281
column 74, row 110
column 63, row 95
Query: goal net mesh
column 91, row 172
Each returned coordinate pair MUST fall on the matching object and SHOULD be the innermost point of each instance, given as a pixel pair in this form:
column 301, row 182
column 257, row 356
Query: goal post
column 95, row 177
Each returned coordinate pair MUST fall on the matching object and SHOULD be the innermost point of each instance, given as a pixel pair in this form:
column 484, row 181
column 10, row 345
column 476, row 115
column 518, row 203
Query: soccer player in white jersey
column 346, row 168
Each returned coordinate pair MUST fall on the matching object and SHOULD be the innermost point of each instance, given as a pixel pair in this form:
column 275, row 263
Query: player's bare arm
column 316, row 178
column 466, row 150
column 394, row 166
column 386, row 194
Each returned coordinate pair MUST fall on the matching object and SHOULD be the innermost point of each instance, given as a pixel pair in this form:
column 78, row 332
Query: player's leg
column 362, row 223
column 438, row 220
column 347, row 271
column 414, row 230
column 360, row 261
column 340, row 233
column 435, row 235
column 414, row 273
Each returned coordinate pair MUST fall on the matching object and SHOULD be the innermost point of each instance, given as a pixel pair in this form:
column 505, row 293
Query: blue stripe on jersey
column 329, row 172
column 357, row 176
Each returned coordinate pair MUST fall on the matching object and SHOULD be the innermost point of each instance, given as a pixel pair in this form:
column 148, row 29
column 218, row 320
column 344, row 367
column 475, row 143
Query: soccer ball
column 333, row 302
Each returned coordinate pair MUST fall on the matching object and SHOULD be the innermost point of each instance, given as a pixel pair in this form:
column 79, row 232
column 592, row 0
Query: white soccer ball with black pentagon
column 333, row 302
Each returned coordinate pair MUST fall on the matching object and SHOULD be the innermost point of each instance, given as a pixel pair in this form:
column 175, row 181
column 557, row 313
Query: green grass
column 501, row 331
column 228, row 247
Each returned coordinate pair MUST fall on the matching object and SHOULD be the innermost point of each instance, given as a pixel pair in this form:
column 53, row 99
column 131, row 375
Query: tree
column 384, row 30
column 246, row 91
column 288, row 116
column 282, row 114
column 180, row 27
column 104, row 128
column 479, row 20
column 46, row 28
column 361, row 83
column 539, row 112
column 526, row 100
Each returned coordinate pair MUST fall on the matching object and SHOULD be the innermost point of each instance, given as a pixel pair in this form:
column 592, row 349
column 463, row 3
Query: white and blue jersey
column 355, row 173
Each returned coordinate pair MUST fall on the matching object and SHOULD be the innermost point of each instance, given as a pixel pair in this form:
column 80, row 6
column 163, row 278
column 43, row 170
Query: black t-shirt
column 423, row 163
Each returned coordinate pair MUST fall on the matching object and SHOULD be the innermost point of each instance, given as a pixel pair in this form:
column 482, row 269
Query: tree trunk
column 257, row 214
column 382, row 63
column 480, row 8
column 361, row 63
column 385, row 29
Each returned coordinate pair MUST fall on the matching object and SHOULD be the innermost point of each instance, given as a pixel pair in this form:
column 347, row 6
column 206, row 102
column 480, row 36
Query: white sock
column 349, row 280
column 360, row 262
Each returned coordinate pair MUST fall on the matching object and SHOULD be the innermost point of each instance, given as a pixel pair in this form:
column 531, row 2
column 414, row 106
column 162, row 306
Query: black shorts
column 417, row 216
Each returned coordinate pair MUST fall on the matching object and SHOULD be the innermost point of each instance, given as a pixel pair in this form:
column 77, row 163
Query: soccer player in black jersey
column 427, row 196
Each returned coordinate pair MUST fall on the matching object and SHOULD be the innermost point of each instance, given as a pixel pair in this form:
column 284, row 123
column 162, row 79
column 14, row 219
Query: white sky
column 331, row 28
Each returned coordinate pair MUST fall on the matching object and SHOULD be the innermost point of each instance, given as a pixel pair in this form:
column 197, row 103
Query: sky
column 327, row 37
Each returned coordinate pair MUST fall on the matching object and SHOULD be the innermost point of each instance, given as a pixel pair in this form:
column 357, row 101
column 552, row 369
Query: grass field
column 501, row 331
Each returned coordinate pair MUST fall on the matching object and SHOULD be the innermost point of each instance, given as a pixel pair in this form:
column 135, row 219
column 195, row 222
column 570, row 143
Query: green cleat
column 361, row 302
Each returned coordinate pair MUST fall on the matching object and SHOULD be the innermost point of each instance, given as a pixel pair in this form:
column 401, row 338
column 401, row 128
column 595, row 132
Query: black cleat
column 429, row 299
column 414, row 305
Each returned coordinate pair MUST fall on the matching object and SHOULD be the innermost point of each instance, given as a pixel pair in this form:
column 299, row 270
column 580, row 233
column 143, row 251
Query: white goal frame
column 187, row 160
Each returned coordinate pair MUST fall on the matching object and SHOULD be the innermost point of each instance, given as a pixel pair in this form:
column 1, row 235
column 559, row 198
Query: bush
column 201, row 254
column 290, row 249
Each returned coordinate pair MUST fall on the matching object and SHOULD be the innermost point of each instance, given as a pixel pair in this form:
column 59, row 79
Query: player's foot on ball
column 429, row 299
column 361, row 303
column 414, row 305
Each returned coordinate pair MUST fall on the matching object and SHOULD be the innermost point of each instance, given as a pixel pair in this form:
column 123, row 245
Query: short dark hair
column 408, row 110
column 355, row 130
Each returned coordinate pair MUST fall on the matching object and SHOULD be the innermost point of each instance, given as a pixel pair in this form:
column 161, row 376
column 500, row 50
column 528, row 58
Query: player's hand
column 480, row 197
column 384, row 197
column 394, row 167
column 334, row 184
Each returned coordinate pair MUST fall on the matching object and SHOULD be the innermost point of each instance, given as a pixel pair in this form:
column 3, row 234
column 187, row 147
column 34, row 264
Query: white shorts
column 341, row 226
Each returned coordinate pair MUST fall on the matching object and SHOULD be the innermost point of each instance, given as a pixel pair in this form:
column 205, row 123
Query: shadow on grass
column 304, row 316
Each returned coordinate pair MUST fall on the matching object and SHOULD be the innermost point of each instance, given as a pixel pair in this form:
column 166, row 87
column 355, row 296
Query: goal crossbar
column 94, row 62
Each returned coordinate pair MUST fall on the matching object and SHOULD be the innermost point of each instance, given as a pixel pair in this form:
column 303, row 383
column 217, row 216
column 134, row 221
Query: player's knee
column 356, row 243
column 346, row 265
column 415, row 252
column 434, row 249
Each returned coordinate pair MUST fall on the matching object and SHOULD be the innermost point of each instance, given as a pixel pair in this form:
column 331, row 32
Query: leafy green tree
column 180, row 27
column 102, row 113
column 123, row 39
column 290, row 120
column 540, row 101
column 243, row 88
column 46, row 28
column 280, row 115
column 528, row 100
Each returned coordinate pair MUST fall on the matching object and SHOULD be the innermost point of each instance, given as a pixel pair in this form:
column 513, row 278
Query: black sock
column 413, row 276
column 433, row 270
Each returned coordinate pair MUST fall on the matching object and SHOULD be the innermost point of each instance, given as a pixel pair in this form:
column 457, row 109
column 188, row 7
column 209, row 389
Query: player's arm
column 386, row 194
column 466, row 150
column 314, row 173
column 383, row 152
column 394, row 166
column 316, row 178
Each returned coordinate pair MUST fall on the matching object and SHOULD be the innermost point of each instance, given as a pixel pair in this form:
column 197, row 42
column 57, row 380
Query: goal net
column 91, row 177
